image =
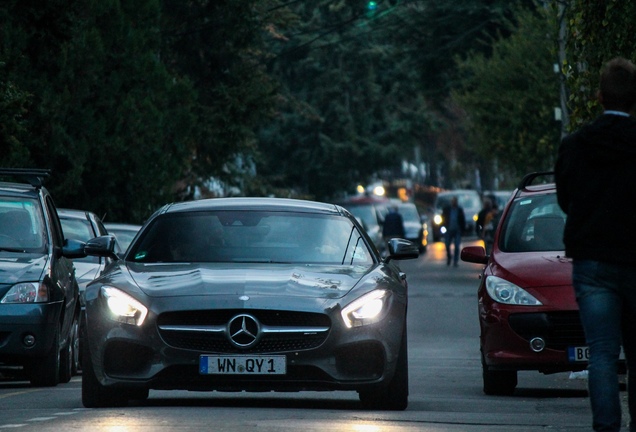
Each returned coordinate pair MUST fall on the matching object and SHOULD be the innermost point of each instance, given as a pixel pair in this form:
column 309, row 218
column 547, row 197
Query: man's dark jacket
column 596, row 187
column 461, row 218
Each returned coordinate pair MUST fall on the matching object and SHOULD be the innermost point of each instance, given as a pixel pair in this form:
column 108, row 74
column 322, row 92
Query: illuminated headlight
column 437, row 219
column 502, row 291
column 365, row 310
column 123, row 307
column 27, row 292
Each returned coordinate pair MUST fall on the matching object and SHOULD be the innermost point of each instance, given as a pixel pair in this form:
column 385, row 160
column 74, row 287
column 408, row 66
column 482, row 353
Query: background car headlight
column 123, row 307
column 502, row 291
column 437, row 219
column 365, row 310
column 27, row 292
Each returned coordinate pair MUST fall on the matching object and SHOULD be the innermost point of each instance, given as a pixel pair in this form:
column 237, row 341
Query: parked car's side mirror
column 474, row 254
column 73, row 248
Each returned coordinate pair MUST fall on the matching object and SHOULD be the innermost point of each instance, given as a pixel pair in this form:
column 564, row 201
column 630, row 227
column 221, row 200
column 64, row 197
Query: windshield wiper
column 8, row 249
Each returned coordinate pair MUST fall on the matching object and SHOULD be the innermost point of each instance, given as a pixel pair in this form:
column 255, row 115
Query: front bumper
column 506, row 340
column 152, row 357
column 20, row 322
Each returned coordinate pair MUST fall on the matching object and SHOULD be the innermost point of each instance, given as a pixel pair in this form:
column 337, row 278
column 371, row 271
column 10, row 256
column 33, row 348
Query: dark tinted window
column 254, row 236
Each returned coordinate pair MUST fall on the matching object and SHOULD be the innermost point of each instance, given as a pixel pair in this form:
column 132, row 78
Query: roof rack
column 33, row 176
column 529, row 178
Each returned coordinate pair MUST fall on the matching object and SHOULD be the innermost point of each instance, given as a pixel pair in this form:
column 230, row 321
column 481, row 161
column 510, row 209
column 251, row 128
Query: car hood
column 20, row 267
column 160, row 280
column 85, row 272
column 534, row 269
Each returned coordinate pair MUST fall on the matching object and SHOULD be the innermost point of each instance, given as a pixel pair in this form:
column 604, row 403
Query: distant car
column 248, row 294
column 39, row 294
column 528, row 314
column 83, row 225
column 368, row 210
column 499, row 197
column 468, row 199
column 125, row 233
column 415, row 226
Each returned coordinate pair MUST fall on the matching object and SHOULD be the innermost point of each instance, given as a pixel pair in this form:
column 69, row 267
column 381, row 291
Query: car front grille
column 560, row 330
column 209, row 331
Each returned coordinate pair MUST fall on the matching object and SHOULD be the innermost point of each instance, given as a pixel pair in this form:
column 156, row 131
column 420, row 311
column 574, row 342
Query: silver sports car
column 248, row 294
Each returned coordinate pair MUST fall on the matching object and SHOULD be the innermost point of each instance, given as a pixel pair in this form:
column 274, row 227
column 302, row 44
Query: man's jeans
column 453, row 238
column 606, row 294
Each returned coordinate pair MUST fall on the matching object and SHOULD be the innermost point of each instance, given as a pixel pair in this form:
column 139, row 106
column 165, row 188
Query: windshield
column 465, row 200
column 251, row 236
column 22, row 228
column 533, row 224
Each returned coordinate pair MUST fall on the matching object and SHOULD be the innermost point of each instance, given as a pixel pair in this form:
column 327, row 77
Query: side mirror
column 474, row 254
column 401, row 249
column 102, row 246
column 73, row 248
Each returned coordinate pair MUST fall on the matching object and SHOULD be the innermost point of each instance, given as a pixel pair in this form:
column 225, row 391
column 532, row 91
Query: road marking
column 40, row 419
column 16, row 393
column 12, row 426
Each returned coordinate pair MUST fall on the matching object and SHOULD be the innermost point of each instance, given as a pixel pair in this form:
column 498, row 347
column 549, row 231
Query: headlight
column 502, row 291
column 123, row 307
column 437, row 219
column 365, row 310
column 27, row 292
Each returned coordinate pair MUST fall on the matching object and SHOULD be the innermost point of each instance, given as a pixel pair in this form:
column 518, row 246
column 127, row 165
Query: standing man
column 596, row 186
column 454, row 220
column 393, row 225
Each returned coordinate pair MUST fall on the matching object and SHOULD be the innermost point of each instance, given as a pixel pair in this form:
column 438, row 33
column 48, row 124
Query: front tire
column 498, row 383
column 45, row 371
column 394, row 396
column 68, row 365
column 95, row 395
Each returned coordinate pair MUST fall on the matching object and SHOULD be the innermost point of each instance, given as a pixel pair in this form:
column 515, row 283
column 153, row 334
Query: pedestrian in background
column 454, row 220
column 393, row 225
column 481, row 217
column 596, row 184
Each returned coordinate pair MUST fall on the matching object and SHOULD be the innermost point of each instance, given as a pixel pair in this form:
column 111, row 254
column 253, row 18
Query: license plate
column 578, row 354
column 242, row 365
column 582, row 354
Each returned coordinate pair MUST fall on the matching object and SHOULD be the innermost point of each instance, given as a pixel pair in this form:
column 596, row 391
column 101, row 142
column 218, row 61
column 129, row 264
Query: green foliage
column 598, row 32
column 510, row 97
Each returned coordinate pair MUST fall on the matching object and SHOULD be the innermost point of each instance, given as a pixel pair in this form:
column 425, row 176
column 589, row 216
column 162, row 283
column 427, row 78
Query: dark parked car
column 253, row 294
column 467, row 199
column 368, row 210
column 125, row 233
column 528, row 313
column 39, row 305
column 83, row 225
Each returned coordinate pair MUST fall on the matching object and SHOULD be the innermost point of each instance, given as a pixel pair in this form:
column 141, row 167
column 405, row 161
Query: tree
column 509, row 96
column 597, row 32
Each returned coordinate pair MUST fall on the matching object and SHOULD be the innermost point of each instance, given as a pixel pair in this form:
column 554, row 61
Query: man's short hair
column 618, row 84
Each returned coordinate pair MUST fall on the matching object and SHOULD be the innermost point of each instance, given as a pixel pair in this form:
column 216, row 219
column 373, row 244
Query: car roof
column 526, row 187
column 72, row 213
column 121, row 226
column 31, row 178
column 257, row 203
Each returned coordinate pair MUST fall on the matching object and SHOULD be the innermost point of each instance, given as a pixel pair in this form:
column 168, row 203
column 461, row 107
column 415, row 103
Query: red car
column 528, row 313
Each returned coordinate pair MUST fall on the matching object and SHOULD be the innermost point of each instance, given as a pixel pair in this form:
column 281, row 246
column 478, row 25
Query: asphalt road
column 445, row 385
